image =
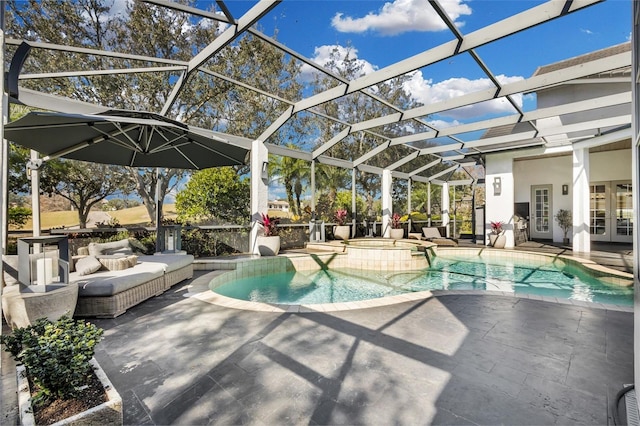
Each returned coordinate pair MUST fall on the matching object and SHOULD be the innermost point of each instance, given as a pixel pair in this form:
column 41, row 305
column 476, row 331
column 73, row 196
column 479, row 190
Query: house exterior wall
column 557, row 171
column 611, row 165
column 500, row 205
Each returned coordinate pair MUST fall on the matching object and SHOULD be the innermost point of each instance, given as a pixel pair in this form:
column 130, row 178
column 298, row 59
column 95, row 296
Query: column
column 444, row 195
column 429, row 203
column 581, row 201
column 500, row 195
column 387, row 203
column 259, row 189
column 35, row 195
column 354, row 213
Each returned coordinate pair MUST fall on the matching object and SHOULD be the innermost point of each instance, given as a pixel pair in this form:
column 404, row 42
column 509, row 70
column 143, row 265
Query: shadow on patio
column 451, row 359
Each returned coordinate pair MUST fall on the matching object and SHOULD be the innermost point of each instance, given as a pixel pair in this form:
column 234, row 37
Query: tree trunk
column 148, row 198
column 298, row 189
column 83, row 215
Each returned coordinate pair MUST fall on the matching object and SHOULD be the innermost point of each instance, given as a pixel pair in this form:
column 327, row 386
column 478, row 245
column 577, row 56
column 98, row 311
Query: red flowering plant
column 496, row 227
column 395, row 221
column 269, row 225
column 341, row 216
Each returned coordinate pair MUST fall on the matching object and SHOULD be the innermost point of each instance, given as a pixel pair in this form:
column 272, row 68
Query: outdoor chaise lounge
column 433, row 235
column 107, row 286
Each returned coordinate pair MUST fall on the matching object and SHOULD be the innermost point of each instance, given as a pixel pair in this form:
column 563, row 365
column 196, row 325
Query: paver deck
column 448, row 359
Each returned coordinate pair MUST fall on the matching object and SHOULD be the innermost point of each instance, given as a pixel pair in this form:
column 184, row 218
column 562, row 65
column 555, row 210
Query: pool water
column 475, row 273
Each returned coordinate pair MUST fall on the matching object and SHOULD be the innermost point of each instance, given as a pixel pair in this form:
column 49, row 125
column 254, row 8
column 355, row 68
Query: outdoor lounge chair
column 433, row 235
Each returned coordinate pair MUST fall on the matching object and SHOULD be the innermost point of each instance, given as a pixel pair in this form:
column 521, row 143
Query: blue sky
column 382, row 33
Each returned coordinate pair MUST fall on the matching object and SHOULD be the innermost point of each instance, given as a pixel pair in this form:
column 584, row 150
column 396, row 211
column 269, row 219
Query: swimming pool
column 547, row 277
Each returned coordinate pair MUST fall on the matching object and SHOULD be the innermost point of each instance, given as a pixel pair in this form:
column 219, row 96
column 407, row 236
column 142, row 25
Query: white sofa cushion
column 170, row 262
column 108, row 283
column 430, row 232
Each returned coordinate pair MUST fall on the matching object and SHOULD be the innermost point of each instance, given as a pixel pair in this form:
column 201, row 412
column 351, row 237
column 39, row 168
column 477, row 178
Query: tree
column 294, row 174
column 89, row 23
column 358, row 107
column 146, row 180
column 216, row 195
column 17, row 215
column 329, row 181
column 204, row 101
column 85, row 184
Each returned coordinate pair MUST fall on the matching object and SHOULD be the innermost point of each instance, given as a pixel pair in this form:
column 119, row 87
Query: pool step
column 221, row 264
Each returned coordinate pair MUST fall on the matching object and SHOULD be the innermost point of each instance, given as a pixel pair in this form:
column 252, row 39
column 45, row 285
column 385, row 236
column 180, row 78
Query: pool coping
column 211, row 297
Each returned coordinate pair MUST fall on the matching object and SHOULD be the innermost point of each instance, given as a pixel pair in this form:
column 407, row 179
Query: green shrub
column 55, row 354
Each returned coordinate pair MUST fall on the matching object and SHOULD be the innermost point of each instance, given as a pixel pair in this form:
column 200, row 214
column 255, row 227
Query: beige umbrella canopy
column 126, row 138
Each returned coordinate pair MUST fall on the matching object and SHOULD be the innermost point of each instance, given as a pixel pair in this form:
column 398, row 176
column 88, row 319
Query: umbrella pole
column 159, row 234
column 35, row 194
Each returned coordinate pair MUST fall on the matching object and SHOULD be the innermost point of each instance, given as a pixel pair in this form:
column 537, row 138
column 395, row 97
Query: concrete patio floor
column 450, row 359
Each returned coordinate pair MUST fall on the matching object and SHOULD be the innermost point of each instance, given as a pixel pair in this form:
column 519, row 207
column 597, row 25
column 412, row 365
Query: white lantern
column 43, row 263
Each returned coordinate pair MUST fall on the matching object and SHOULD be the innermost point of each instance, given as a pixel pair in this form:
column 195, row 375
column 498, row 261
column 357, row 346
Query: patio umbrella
column 126, row 138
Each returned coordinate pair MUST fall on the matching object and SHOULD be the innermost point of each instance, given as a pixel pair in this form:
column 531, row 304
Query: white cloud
column 323, row 56
column 424, row 90
column 402, row 16
column 441, row 124
column 586, row 31
column 427, row 92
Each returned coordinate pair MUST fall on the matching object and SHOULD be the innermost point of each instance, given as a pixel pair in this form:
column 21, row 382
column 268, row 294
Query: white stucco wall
column 611, row 165
column 499, row 207
column 556, row 171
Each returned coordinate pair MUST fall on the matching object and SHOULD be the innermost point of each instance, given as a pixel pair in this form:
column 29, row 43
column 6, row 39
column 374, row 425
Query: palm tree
column 330, row 179
column 293, row 173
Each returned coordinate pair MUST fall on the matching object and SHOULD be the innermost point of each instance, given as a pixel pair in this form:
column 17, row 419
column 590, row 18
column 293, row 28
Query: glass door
column 623, row 231
column 599, row 211
column 541, row 208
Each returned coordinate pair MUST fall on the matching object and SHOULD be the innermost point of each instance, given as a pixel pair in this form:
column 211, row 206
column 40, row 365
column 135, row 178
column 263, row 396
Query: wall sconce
column 265, row 170
column 497, row 186
column 565, row 189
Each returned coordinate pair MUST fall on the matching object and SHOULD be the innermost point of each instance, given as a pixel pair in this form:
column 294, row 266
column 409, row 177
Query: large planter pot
column 107, row 413
column 497, row 240
column 23, row 309
column 341, row 232
column 396, row 234
column 268, row 246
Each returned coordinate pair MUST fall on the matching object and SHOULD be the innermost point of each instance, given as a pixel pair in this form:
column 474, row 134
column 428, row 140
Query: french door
column 622, row 225
column 599, row 211
column 541, row 212
column 611, row 213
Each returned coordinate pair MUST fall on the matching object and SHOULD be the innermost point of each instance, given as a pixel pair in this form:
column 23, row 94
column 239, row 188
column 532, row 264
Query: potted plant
column 58, row 378
column 397, row 233
column 341, row 231
column 269, row 243
column 565, row 222
column 497, row 239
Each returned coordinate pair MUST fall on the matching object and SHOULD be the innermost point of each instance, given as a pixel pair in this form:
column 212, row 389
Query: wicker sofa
column 114, row 288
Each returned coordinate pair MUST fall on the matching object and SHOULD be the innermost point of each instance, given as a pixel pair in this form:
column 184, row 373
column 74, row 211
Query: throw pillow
column 133, row 260
column 87, row 265
column 103, row 248
column 124, row 251
column 113, row 262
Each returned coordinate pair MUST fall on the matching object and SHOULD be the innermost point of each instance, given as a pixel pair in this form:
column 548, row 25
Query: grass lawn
column 139, row 215
column 133, row 215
